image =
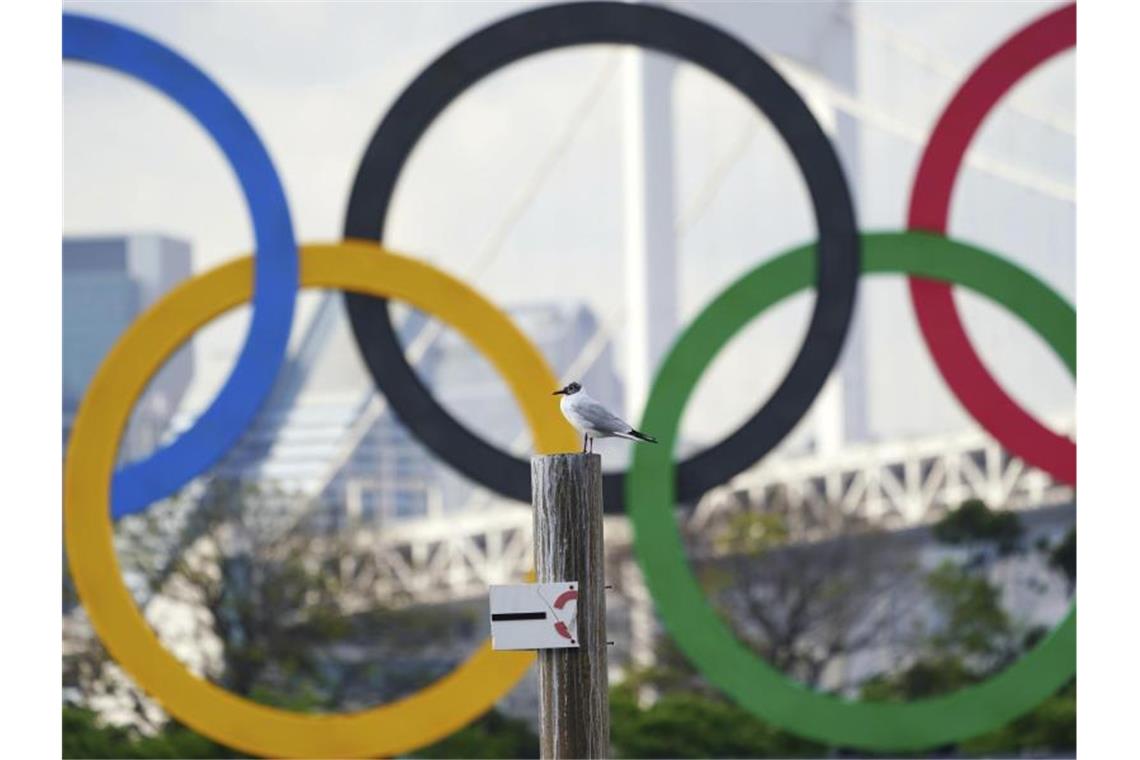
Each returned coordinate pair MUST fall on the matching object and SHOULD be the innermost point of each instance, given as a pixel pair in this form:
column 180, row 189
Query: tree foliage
column 977, row 638
column 85, row 736
column 975, row 523
column 803, row 606
column 493, row 736
column 277, row 621
column 974, row 626
column 274, row 602
column 1063, row 557
column 684, row 724
column 974, row 637
column 1048, row 728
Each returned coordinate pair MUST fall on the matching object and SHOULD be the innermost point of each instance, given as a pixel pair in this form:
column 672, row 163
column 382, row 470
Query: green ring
column 693, row 622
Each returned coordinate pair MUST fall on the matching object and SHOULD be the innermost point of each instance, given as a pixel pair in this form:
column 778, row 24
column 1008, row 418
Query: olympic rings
column 138, row 484
column 933, row 302
column 694, row 623
column 95, row 494
column 558, row 26
column 406, row 724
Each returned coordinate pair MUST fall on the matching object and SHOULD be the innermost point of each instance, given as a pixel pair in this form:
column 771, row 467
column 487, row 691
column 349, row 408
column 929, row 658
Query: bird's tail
column 635, row 435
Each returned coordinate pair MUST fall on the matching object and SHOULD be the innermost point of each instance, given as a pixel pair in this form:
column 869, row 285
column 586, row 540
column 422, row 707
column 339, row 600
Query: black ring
column 558, row 26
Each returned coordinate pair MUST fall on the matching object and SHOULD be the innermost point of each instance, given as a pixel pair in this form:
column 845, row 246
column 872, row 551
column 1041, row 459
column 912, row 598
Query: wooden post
column 573, row 684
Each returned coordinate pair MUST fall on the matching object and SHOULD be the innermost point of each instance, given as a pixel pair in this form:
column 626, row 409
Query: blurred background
column 330, row 562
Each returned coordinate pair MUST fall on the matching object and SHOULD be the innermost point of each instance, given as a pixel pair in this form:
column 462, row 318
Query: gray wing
column 601, row 418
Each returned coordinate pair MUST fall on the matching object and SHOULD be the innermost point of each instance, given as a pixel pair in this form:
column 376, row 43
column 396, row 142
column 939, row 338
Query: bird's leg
column 585, row 440
column 591, row 445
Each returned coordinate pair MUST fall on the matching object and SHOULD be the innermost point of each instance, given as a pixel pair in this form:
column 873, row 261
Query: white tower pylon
column 650, row 242
column 817, row 38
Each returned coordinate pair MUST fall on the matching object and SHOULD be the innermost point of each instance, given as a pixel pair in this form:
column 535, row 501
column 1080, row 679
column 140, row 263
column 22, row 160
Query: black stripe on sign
column 518, row 616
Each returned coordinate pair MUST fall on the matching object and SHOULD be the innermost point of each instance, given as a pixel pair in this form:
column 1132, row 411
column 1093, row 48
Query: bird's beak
column 558, row 392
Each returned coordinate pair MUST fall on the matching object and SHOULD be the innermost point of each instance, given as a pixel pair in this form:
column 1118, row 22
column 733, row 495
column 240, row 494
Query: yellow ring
column 401, row 726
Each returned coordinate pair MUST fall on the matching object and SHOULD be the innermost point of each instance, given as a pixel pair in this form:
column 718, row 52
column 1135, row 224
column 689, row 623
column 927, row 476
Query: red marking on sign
column 559, row 603
column 563, row 598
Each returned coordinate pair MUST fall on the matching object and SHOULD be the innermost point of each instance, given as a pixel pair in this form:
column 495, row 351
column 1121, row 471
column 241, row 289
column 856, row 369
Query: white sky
column 315, row 79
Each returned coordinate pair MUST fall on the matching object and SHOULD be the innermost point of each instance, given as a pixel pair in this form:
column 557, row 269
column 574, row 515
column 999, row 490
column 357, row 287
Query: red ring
column 933, row 301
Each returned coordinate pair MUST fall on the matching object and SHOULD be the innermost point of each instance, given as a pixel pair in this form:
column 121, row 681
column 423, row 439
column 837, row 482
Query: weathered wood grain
column 566, row 490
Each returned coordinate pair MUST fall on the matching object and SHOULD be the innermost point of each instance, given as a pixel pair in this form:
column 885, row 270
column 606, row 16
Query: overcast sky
column 315, row 79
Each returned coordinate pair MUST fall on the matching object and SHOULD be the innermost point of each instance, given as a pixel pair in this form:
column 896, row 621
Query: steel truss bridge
column 897, row 484
column 447, row 558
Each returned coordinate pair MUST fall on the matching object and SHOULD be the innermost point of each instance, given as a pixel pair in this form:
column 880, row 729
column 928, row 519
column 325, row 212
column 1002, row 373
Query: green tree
column 273, row 593
column 804, row 605
column 671, row 672
column 84, row 736
column 492, row 736
column 977, row 638
column 975, row 626
column 1063, row 557
column 1048, row 728
column 693, row 725
column 973, row 523
column 972, row 638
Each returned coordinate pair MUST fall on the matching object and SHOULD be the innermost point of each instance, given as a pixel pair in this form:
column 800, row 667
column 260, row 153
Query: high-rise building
column 107, row 282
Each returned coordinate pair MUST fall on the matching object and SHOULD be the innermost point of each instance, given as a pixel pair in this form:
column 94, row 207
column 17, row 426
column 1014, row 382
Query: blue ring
column 138, row 484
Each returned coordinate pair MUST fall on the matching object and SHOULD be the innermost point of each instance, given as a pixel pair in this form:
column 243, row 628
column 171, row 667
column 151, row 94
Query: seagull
column 593, row 420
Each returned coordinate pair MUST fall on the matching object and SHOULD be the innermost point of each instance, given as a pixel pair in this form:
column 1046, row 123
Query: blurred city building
column 107, row 282
column 326, row 434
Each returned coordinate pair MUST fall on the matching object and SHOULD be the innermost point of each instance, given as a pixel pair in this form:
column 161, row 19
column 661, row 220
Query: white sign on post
column 534, row 616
